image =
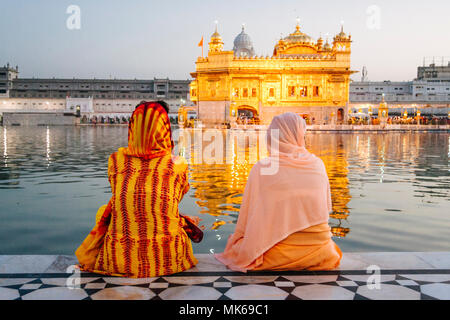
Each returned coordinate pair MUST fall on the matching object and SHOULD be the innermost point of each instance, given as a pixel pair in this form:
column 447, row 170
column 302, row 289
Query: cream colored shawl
column 287, row 192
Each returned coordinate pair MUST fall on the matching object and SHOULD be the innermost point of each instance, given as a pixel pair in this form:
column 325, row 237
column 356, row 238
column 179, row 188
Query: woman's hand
column 195, row 219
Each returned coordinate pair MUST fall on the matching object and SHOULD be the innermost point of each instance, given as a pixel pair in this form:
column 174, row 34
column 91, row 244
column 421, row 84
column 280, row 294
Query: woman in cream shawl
column 283, row 220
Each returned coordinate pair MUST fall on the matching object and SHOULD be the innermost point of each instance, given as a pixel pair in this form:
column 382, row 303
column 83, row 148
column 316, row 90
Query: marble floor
column 379, row 275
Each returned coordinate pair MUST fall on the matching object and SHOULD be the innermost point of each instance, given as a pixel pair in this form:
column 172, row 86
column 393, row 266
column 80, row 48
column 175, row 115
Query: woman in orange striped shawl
column 139, row 233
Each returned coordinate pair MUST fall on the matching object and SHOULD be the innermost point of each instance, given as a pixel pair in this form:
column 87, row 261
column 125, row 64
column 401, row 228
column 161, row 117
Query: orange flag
column 200, row 44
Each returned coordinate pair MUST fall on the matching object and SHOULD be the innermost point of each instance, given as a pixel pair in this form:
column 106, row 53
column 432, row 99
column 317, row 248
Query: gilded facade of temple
column 303, row 75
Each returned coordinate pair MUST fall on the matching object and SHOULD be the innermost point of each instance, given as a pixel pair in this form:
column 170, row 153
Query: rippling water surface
column 390, row 190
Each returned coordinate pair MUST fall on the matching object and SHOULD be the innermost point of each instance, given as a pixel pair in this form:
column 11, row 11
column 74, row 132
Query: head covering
column 286, row 135
column 277, row 204
column 149, row 133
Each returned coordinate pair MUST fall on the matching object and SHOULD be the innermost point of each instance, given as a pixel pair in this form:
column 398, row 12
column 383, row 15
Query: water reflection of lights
column 219, row 187
column 5, row 147
column 382, row 164
column 339, row 215
column 217, row 224
column 339, row 231
column 48, row 146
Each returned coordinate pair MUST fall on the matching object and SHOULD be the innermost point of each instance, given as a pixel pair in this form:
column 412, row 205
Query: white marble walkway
column 377, row 275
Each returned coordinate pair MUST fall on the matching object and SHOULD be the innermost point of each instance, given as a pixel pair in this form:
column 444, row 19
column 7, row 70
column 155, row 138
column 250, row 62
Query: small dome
column 243, row 46
column 298, row 36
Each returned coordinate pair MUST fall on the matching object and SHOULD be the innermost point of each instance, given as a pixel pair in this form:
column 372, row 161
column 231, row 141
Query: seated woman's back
column 145, row 236
column 140, row 232
column 286, row 193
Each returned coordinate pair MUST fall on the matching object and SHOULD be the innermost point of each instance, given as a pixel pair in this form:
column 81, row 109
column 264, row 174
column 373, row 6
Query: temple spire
column 297, row 27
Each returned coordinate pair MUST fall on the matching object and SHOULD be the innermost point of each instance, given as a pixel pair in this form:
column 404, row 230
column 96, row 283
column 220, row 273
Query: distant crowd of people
column 112, row 120
column 423, row 120
column 426, row 120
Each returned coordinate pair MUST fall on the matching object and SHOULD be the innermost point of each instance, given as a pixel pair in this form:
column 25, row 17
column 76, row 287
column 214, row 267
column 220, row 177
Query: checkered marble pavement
column 210, row 280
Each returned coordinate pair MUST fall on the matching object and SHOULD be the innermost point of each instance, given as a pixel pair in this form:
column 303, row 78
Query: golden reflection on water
column 392, row 189
column 219, row 185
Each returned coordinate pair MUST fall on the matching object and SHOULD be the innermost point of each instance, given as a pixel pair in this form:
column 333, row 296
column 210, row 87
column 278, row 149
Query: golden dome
column 298, row 37
column 216, row 35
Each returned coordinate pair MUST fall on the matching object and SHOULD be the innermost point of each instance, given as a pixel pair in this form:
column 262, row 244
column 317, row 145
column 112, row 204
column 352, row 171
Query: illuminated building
column 304, row 76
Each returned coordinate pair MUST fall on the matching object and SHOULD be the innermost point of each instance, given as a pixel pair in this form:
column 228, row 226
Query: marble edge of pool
column 41, row 264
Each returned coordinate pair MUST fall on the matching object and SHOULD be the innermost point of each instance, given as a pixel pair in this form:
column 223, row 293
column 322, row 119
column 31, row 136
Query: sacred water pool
column 390, row 190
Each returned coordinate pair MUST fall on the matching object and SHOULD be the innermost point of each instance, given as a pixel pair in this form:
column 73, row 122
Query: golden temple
column 304, row 76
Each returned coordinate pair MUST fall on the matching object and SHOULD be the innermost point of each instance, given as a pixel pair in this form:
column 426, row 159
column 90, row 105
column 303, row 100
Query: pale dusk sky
column 145, row 39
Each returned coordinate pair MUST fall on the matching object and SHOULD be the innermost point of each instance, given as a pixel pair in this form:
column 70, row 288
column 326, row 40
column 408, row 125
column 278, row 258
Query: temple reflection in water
column 392, row 188
column 218, row 178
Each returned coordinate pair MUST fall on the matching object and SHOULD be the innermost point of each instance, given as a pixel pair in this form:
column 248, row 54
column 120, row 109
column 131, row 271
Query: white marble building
column 94, row 97
column 429, row 92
